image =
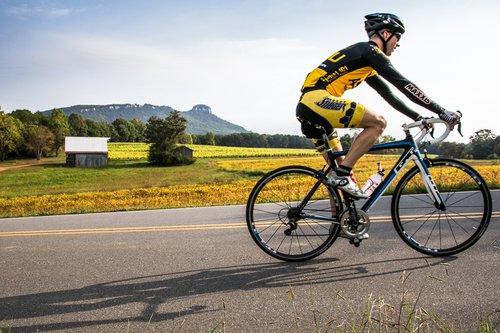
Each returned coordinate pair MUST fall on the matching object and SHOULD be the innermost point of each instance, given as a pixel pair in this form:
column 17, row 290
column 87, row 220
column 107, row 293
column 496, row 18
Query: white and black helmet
column 379, row 21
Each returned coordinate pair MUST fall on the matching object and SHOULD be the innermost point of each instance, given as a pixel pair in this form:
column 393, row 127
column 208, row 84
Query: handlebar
column 427, row 128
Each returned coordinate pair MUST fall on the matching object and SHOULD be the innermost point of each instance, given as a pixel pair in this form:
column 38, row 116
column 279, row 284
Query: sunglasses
column 397, row 34
column 393, row 33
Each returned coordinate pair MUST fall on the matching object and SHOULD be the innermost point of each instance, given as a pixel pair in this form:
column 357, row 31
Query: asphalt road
column 195, row 270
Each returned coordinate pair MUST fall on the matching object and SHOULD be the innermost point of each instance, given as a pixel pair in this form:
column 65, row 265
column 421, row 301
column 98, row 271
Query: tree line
column 27, row 134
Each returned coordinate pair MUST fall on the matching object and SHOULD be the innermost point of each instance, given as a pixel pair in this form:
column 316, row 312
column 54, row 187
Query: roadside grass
column 373, row 314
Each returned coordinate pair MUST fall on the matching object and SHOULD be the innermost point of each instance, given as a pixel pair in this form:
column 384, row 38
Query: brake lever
column 459, row 129
column 429, row 127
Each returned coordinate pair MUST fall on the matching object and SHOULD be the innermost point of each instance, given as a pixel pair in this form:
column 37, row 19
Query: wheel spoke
column 273, row 206
column 451, row 230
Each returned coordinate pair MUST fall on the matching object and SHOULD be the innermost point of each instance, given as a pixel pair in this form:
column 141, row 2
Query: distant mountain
column 200, row 119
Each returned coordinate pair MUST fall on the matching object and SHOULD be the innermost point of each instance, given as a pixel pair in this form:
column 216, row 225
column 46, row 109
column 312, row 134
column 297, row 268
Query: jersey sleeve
column 381, row 63
column 383, row 89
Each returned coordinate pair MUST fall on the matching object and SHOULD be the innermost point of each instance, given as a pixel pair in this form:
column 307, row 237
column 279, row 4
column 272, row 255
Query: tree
column 99, row 128
column 164, row 134
column 497, row 146
column 10, row 135
column 482, row 144
column 78, row 126
column 124, row 131
column 59, row 125
column 186, row 139
column 25, row 116
column 140, row 130
column 452, row 150
column 209, row 139
column 40, row 139
column 346, row 141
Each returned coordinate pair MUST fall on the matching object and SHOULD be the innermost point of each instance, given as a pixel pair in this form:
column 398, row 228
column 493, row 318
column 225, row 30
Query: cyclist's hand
column 450, row 117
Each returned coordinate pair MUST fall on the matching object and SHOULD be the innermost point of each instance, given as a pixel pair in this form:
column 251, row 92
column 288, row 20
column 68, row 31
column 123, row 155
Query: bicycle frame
column 305, row 219
column 411, row 152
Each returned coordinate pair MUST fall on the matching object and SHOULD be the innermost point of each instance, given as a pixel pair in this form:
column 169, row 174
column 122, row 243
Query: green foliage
column 125, row 131
column 484, row 144
column 164, row 134
column 78, row 125
column 99, row 128
column 10, row 135
column 59, row 125
column 253, row 140
column 25, row 116
column 39, row 140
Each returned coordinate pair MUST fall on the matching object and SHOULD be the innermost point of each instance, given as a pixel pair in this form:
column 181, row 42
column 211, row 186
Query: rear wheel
column 280, row 227
column 432, row 230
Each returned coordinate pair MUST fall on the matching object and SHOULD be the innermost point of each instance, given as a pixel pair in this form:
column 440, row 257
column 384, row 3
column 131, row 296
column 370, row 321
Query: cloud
column 41, row 9
column 250, row 82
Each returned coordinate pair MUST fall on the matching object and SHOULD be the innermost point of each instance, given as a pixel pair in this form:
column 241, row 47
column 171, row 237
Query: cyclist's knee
column 374, row 120
column 380, row 123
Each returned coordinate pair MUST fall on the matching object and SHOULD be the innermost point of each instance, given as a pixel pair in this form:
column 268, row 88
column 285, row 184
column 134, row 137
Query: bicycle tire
column 274, row 200
column 430, row 230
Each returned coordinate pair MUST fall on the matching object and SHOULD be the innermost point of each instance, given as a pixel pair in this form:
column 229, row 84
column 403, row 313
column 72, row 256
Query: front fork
column 430, row 185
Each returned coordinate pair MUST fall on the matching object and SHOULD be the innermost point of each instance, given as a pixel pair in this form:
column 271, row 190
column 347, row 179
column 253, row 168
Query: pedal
column 364, row 236
column 355, row 241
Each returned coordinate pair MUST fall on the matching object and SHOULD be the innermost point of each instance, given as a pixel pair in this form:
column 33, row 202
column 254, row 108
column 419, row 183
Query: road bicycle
column 439, row 207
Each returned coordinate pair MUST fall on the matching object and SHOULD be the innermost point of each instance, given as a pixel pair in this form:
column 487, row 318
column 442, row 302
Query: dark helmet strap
column 384, row 42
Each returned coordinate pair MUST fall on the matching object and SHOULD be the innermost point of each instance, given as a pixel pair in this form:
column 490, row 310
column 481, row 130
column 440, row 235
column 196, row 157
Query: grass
column 28, row 188
column 56, row 178
column 373, row 314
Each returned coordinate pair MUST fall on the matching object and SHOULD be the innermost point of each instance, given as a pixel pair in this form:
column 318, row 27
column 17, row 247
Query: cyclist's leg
column 319, row 107
column 373, row 126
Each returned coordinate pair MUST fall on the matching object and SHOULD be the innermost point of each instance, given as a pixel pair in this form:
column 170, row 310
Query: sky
column 247, row 60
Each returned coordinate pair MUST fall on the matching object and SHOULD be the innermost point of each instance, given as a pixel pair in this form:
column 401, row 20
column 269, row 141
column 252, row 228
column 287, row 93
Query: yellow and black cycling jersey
column 364, row 61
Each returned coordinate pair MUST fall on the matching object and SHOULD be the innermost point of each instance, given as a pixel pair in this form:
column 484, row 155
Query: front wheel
column 433, row 230
column 277, row 223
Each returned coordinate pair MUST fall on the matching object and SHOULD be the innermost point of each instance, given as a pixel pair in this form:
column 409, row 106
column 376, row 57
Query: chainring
column 349, row 227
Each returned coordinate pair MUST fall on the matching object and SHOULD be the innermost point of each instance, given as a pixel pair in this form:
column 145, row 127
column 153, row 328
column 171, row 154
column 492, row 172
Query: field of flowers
column 128, row 151
column 139, row 151
column 365, row 167
column 237, row 170
column 137, row 199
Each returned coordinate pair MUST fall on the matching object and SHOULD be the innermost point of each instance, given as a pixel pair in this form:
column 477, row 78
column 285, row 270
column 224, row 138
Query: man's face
column 392, row 39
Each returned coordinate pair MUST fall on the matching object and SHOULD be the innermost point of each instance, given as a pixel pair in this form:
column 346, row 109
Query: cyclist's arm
column 383, row 89
column 381, row 63
column 408, row 88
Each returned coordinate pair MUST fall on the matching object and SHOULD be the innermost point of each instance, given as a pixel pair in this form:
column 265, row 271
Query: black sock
column 343, row 170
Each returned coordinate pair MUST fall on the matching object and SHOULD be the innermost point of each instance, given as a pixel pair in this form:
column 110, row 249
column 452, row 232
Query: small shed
column 188, row 152
column 86, row 151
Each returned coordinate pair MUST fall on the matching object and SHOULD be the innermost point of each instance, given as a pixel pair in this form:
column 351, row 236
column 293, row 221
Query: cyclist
column 321, row 104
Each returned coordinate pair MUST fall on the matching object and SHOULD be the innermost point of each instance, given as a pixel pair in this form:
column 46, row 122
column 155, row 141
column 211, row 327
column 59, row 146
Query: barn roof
column 77, row 144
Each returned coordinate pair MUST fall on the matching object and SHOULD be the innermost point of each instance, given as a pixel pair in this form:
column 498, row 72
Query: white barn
column 86, row 151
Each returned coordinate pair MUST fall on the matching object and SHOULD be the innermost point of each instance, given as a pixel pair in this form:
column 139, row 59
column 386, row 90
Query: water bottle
column 374, row 180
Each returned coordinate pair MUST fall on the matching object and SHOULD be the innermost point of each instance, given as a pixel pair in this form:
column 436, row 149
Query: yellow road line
column 179, row 227
column 121, row 230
